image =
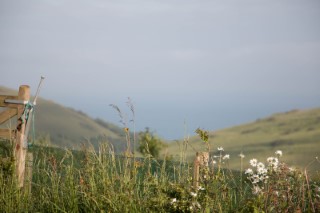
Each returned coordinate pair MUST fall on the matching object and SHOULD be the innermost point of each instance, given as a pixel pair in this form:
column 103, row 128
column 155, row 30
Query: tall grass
column 101, row 181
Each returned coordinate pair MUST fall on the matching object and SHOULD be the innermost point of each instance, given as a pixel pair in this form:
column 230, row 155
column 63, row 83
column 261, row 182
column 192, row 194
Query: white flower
column 270, row 160
column 200, row 188
column 279, row 153
column 226, row 157
column 249, row 171
column 253, row 162
column 292, row 169
column 220, row 148
column 241, row 155
column 174, row 200
column 193, row 194
column 273, row 162
column 255, row 179
column 256, row 190
column 213, row 162
column 262, row 171
column 260, row 165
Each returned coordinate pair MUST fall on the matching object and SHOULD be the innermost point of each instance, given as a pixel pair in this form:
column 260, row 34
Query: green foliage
column 204, row 135
column 100, row 181
column 296, row 132
column 150, row 144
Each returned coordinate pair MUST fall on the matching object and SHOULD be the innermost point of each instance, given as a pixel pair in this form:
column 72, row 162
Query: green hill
column 296, row 133
column 66, row 127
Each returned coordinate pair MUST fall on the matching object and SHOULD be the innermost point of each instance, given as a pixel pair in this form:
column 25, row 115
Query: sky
column 183, row 63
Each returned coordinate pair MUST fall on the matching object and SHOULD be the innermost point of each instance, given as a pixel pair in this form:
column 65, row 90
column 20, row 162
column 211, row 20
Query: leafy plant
column 150, row 144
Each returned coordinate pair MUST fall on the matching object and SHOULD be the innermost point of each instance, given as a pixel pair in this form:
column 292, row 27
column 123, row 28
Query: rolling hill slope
column 66, row 127
column 296, row 133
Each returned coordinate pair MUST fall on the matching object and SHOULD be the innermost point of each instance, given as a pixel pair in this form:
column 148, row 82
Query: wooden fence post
column 201, row 160
column 28, row 176
column 20, row 146
column 196, row 170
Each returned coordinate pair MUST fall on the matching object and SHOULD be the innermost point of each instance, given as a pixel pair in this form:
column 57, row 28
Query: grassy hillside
column 66, row 127
column 296, row 133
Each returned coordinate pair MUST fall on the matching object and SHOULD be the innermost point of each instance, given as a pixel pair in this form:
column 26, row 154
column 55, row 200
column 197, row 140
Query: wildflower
column 193, row 194
column 174, row 200
column 253, row 162
column 249, row 171
column 226, row 157
column 260, row 165
column 201, row 188
column 273, row 162
column 220, row 148
column 270, row 159
column 262, row 171
column 292, row 169
column 279, row 153
column 256, row 190
column 255, row 179
column 214, row 162
column 241, row 155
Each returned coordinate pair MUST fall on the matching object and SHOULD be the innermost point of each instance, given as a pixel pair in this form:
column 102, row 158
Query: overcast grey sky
column 203, row 63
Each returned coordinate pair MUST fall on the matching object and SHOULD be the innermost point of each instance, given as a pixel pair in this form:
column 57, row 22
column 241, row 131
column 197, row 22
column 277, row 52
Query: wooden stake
column 20, row 148
column 201, row 160
column 196, row 171
column 29, row 165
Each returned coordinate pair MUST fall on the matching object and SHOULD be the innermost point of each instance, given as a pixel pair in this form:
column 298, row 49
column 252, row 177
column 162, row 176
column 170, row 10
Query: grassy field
column 66, row 127
column 296, row 133
column 269, row 165
column 100, row 181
